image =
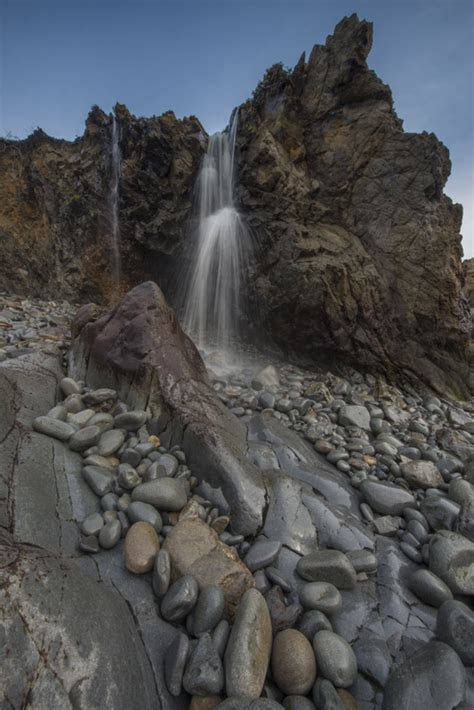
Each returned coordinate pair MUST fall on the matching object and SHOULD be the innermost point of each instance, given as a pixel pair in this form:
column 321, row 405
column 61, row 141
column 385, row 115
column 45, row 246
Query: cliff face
column 358, row 250
column 55, row 213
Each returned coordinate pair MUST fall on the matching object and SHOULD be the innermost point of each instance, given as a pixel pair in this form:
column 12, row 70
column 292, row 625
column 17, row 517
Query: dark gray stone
column 313, row 621
column 335, row 659
column 430, row 588
column 53, row 427
column 84, row 438
column 130, row 421
column 386, row 498
column 208, row 610
column 455, row 626
column 262, row 554
column 138, row 511
column 164, row 493
column 175, row 661
column 321, row 596
column 433, row 678
column 110, row 534
column 204, row 674
column 100, row 480
column 180, row 599
column 328, row 566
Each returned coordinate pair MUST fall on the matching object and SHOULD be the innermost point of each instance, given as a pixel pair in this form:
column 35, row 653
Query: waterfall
column 114, row 199
column 215, row 296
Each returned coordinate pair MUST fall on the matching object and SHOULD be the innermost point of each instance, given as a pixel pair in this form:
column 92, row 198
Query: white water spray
column 116, row 161
column 216, row 289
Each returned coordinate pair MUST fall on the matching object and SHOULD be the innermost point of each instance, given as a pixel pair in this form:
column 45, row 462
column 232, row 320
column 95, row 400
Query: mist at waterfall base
column 216, row 308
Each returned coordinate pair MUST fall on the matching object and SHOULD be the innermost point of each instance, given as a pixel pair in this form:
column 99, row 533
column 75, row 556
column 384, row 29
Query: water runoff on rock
column 215, row 303
column 115, row 172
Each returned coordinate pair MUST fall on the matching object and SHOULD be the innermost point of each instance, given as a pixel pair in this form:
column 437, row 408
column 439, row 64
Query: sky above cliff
column 204, row 57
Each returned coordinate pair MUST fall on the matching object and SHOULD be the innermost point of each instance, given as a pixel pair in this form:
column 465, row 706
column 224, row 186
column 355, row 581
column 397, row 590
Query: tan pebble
column 293, row 662
column 208, row 703
column 220, row 524
column 155, row 440
column 349, row 701
column 141, row 547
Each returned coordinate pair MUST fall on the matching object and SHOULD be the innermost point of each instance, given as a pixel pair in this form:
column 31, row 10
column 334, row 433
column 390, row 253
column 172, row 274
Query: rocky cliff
column 358, row 250
column 55, row 213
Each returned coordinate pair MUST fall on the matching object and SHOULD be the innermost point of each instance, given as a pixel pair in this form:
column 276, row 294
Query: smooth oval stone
column 69, row 386
column 180, row 599
column 138, row 511
column 455, row 626
column 130, row 421
column 164, row 493
column 109, row 501
column 140, row 548
column 110, row 534
column 293, row 662
column 328, row 566
column 220, row 636
column 104, row 395
column 73, row 403
column 204, row 674
column 440, row 512
column 313, row 621
column 80, row 419
column 433, row 677
column 84, row 438
column 326, row 697
column 169, row 463
column 363, row 561
column 58, row 412
column 161, row 573
column 298, row 702
column 262, row 554
column 89, row 544
column 103, row 420
column 451, row 557
column 92, row 525
column 248, row 650
column 322, row 596
column 386, row 498
column 127, row 477
column 53, row 427
column 110, row 442
column 100, row 480
column 131, row 456
column 335, row 659
column 430, row 588
column 175, row 661
column 208, row 610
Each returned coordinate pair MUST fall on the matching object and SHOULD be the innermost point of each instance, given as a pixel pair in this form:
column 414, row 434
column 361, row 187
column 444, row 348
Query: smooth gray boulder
column 432, row 678
column 451, row 557
column 455, row 626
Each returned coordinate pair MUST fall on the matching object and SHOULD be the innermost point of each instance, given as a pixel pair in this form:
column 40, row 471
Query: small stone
column 293, row 662
column 355, row 415
column 220, row 523
column 262, row 554
column 103, row 420
column 164, row 493
column 335, row 658
column 69, row 386
column 58, row 412
column 100, row 397
column 92, row 525
column 53, row 427
column 386, row 498
column 99, row 479
column 209, row 610
column 322, row 596
column 73, row 403
column 169, row 463
column 180, row 599
column 204, row 674
column 326, row 697
column 131, row 456
column 283, row 615
column 220, row 636
column 363, row 561
column 313, row 621
column 140, row 548
column 277, row 578
column 89, row 544
column 80, row 419
column 175, row 661
column 130, row 421
column 429, row 588
column 110, row 442
column 138, row 511
column 248, row 650
column 110, row 534
column 328, row 566
column 421, row 474
column 161, row 573
column 109, row 501
column 84, row 438
column 109, row 463
column 386, row 525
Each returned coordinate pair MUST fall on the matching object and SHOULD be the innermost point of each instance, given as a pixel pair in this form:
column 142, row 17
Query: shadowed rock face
column 360, row 250
column 55, row 228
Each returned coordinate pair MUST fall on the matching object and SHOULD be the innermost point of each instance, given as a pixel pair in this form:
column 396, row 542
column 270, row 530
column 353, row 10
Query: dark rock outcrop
column 55, row 213
column 360, row 250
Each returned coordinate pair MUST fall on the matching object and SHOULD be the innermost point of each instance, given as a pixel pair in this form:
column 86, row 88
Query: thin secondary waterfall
column 216, row 285
column 116, row 161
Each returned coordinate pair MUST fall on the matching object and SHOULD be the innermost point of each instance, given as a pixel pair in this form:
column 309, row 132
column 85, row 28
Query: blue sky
column 204, row 57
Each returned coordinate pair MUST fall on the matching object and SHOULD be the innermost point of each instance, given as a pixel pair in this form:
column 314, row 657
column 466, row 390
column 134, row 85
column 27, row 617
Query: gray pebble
column 322, row 596
column 138, row 511
column 262, row 554
column 335, row 658
column 204, row 673
column 313, row 621
column 84, row 438
column 175, row 661
column 92, row 525
column 110, row 442
column 53, row 427
column 161, row 573
column 180, row 598
column 89, row 544
column 110, row 534
column 220, row 636
column 99, row 479
column 131, row 421
column 209, row 609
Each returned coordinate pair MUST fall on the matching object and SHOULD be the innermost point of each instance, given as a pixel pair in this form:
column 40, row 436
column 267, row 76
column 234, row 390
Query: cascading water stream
column 116, row 160
column 215, row 298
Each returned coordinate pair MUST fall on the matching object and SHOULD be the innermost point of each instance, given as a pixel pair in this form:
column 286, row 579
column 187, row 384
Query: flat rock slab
column 195, row 549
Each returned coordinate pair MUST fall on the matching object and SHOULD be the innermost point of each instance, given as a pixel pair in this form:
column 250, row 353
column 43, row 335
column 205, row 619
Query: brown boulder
column 195, row 549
